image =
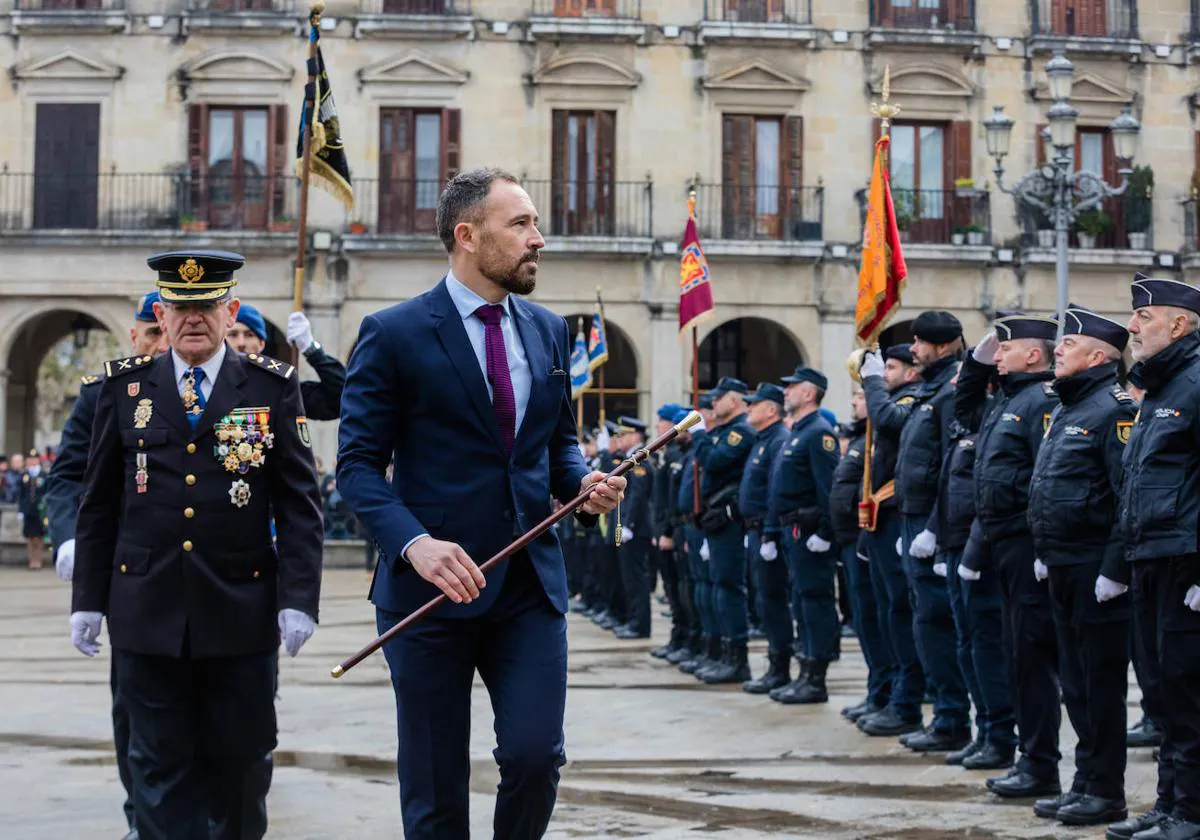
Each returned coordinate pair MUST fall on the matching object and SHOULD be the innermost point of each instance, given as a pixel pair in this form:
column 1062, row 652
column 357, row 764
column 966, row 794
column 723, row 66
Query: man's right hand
column 64, row 564
column 872, row 365
column 85, row 630
column 448, row 567
column 985, row 350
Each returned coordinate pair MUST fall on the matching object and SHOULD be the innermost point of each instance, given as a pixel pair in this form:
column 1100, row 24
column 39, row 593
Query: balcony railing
column 1121, row 222
column 418, row 8
column 152, row 201
column 69, row 5
column 617, row 9
column 734, row 211
column 957, row 15
column 236, row 7
column 1112, row 19
column 759, row 11
column 941, row 217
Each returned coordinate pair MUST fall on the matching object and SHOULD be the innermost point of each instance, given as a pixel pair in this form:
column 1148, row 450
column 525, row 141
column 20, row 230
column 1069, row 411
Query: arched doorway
column 619, row 375
column 45, row 361
column 898, row 333
column 751, row 349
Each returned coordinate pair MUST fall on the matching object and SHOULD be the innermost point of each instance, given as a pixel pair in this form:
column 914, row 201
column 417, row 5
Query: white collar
column 466, row 300
column 211, row 368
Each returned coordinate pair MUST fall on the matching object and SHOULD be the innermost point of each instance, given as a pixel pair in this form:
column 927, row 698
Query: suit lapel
column 166, row 400
column 453, row 338
column 226, row 394
column 535, row 354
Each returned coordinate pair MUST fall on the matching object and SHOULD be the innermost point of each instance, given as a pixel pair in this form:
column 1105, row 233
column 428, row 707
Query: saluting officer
column 1077, row 536
column 800, row 508
column 636, row 529
column 1160, row 507
column 762, row 543
column 192, row 454
column 668, row 466
column 1019, row 349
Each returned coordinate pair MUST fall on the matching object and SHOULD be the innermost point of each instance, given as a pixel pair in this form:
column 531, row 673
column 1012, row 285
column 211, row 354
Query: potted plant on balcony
column 974, row 235
column 357, row 228
column 964, row 187
column 282, row 224
column 1090, row 225
column 1138, row 206
column 958, row 236
column 190, row 224
column 1042, row 224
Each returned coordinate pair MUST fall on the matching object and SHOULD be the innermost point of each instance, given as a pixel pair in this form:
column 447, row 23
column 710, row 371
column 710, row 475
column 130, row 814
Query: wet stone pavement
column 653, row 753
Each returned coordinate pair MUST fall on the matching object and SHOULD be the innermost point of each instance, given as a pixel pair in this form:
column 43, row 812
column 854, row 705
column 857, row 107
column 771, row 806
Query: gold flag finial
column 887, row 111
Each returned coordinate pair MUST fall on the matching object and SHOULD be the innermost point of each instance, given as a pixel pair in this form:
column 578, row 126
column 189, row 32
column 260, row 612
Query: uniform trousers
column 1162, row 584
column 701, row 586
column 772, row 589
column 614, row 589
column 877, row 653
column 813, row 597
column 687, row 616
column 201, row 733
column 120, row 718
column 727, row 572
column 634, row 558
column 664, row 558
column 1145, row 660
column 894, row 602
column 978, row 617
column 1093, row 640
column 955, row 587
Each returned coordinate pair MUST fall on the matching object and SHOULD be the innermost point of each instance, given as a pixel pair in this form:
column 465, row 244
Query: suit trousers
column 813, row 598
column 519, row 647
column 877, row 653
column 701, row 584
column 1093, row 641
column 773, row 591
column 894, row 603
column 201, row 731
column 727, row 569
column 634, row 557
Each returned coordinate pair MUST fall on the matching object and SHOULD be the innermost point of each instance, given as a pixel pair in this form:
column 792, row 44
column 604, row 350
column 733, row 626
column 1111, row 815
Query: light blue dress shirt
column 211, row 369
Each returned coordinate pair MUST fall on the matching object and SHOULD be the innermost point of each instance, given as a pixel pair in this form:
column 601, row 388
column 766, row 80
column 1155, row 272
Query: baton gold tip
column 337, row 672
column 318, row 6
column 687, row 422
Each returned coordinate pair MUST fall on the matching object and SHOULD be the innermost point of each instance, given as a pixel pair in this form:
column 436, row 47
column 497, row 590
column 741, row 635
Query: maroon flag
column 695, row 290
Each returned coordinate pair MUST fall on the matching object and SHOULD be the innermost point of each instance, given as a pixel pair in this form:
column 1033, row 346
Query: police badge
column 143, row 413
column 1124, row 427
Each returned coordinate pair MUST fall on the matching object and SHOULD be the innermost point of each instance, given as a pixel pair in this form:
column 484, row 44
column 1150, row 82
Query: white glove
column 967, row 574
column 699, row 427
column 817, row 545
column 299, row 332
column 626, row 534
column 985, row 350
column 1039, row 570
column 704, row 551
column 295, row 628
column 863, row 557
column 85, row 630
column 1192, row 598
column 872, row 365
column 746, row 541
column 939, row 569
column 900, row 546
column 1107, row 589
column 64, row 564
column 768, row 551
column 923, row 545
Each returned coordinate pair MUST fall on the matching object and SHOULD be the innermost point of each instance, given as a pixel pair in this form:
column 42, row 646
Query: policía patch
column 1124, row 427
column 905, row 400
column 302, row 431
column 828, row 442
column 734, row 438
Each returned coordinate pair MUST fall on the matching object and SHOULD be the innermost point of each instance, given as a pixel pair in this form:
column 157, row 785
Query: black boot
column 665, row 651
column 794, row 685
column 736, row 668
column 688, row 647
column 1143, row 734
column 718, row 654
column 813, row 689
column 699, row 659
column 778, row 675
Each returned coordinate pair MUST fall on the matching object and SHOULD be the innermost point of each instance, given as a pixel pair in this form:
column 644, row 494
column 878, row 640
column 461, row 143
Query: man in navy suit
column 465, row 389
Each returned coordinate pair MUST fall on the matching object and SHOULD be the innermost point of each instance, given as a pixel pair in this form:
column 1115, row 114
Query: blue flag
column 581, row 374
column 597, row 348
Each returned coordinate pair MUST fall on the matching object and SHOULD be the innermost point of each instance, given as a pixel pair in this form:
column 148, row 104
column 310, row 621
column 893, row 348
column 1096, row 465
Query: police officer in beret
column 322, row 398
column 1077, row 537
column 636, row 530
column 1020, row 350
column 668, row 467
column 802, row 476
column 64, row 488
column 762, row 542
column 192, row 453
column 1159, row 510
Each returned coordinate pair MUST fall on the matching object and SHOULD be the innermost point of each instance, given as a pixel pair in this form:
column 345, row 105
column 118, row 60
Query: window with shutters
column 762, row 190
column 239, row 166
column 585, row 8
column 1093, row 152
column 582, row 184
column 1087, row 18
column 66, row 165
column 418, row 153
column 926, row 159
column 924, row 14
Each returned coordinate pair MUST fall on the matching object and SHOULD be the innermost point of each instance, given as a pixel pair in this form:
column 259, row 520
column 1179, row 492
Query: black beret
column 1026, row 326
column 900, row 352
column 807, row 374
column 1149, row 291
column 936, row 326
column 1082, row 321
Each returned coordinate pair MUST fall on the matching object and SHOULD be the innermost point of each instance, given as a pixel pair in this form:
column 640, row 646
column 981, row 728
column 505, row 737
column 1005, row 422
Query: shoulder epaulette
column 120, row 367
column 1048, row 389
column 280, row 369
column 1121, row 395
column 91, row 379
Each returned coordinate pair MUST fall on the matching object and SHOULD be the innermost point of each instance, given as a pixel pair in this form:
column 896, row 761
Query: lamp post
column 1057, row 187
column 81, row 328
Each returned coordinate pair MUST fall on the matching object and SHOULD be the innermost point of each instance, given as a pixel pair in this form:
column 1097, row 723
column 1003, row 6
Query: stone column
column 669, row 377
column 837, row 340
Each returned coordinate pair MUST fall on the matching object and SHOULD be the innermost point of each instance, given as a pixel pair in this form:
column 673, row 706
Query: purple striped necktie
column 504, row 402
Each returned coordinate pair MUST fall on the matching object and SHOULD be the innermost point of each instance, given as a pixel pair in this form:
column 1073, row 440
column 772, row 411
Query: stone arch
column 750, row 348
column 621, row 373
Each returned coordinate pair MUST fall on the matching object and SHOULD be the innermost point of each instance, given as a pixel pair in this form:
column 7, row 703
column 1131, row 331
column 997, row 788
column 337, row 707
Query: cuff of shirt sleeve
column 408, row 545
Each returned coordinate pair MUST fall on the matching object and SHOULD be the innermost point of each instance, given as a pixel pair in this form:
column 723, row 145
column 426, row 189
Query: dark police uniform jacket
column 888, row 412
column 667, row 475
column 802, row 478
column 1160, row 495
column 323, row 399
column 29, row 502
column 924, row 441
column 1009, row 436
column 721, row 463
column 753, row 497
column 846, row 490
column 1077, row 478
column 64, row 486
column 637, row 512
column 186, row 567
column 956, row 503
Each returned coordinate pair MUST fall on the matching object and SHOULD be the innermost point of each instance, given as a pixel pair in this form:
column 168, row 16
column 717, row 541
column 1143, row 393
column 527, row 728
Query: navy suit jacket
column 415, row 396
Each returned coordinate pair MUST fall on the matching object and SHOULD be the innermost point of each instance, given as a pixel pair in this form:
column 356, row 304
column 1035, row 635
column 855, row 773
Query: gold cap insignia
column 191, row 271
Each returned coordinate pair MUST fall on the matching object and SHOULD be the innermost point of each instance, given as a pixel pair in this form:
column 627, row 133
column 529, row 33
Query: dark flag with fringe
column 328, row 168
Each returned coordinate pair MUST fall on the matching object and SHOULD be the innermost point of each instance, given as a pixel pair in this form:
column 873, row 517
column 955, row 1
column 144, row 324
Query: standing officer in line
column 29, row 505
column 199, row 441
column 668, row 464
column 800, row 507
column 1077, row 537
column 1020, row 349
column 636, row 529
column 64, row 488
column 732, row 440
column 690, row 636
column 613, row 593
column 1159, row 509
column 762, row 545
column 708, row 650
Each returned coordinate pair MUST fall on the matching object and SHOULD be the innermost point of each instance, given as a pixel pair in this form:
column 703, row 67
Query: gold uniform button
column 253, row 357
column 256, row 574
column 141, row 442
column 187, row 545
column 190, row 479
column 191, row 449
column 122, row 568
column 189, row 512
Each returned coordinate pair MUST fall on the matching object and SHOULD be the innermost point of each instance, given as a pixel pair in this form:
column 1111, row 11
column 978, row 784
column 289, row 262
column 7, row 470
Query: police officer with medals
column 1077, row 537
column 800, row 508
column 192, row 453
column 762, row 544
column 1020, row 350
column 1159, row 510
column 636, row 529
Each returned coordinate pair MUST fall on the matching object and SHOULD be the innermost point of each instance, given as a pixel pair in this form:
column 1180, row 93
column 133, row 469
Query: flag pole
column 695, row 380
column 310, row 113
column 600, row 370
column 579, row 397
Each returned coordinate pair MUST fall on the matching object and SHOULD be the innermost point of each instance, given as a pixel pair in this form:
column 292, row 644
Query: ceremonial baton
column 637, row 457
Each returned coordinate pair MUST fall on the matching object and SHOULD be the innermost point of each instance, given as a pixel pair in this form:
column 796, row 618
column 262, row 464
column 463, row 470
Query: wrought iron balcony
column 1123, row 222
column 942, row 217
column 756, row 212
column 759, row 11
column 953, row 15
column 70, row 16
column 1086, row 25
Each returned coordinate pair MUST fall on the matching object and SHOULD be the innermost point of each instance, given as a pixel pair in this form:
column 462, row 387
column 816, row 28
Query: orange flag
column 882, row 273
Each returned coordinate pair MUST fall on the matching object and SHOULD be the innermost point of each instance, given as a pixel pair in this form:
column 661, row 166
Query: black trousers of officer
column 1162, row 584
column 201, row 733
column 590, row 550
column 1145, row 661
column 1031, row 651
column 611, row 587
column 1093, row 640
column 120, row 718
column 687, row 618
column 664, row 558
column 635, row 581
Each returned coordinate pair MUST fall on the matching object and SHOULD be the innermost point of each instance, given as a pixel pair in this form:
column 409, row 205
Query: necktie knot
column 197, row 374
column 490, row 314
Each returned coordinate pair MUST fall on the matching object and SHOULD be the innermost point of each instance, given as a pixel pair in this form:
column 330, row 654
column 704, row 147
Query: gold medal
column 142, row 414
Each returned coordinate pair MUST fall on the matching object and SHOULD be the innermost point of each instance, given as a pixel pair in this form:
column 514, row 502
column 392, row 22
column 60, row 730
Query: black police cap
column 767, row 391
column 1152, row 291
column 630, row 424
column 1026, row 326
column 1083, row 321
column 728, row 383
column 807, row 374
column 195, row 275
column 936, row 326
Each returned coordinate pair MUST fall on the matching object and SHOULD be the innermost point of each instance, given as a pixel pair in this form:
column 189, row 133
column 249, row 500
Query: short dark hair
column 462, row 200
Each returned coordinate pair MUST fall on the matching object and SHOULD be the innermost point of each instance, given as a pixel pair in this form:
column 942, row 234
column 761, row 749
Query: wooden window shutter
column 883, row 12
column 960, row 149
column 791, row 167
column 958, row 165
column 281, row 160
column 1059, row 16
column 197, row 160
column 558, row 171
column 451, row 142
column 606, row 170
column 737, row 176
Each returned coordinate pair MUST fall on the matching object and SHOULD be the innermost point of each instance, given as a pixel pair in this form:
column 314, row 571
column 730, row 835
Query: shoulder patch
column 120, row 367
column 906, row 400
column 90, row 379
column 1121, row 395
column 639, row 471
column 1048, row 389
column 734, row 438
column 829, row 442
column 280, row 369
